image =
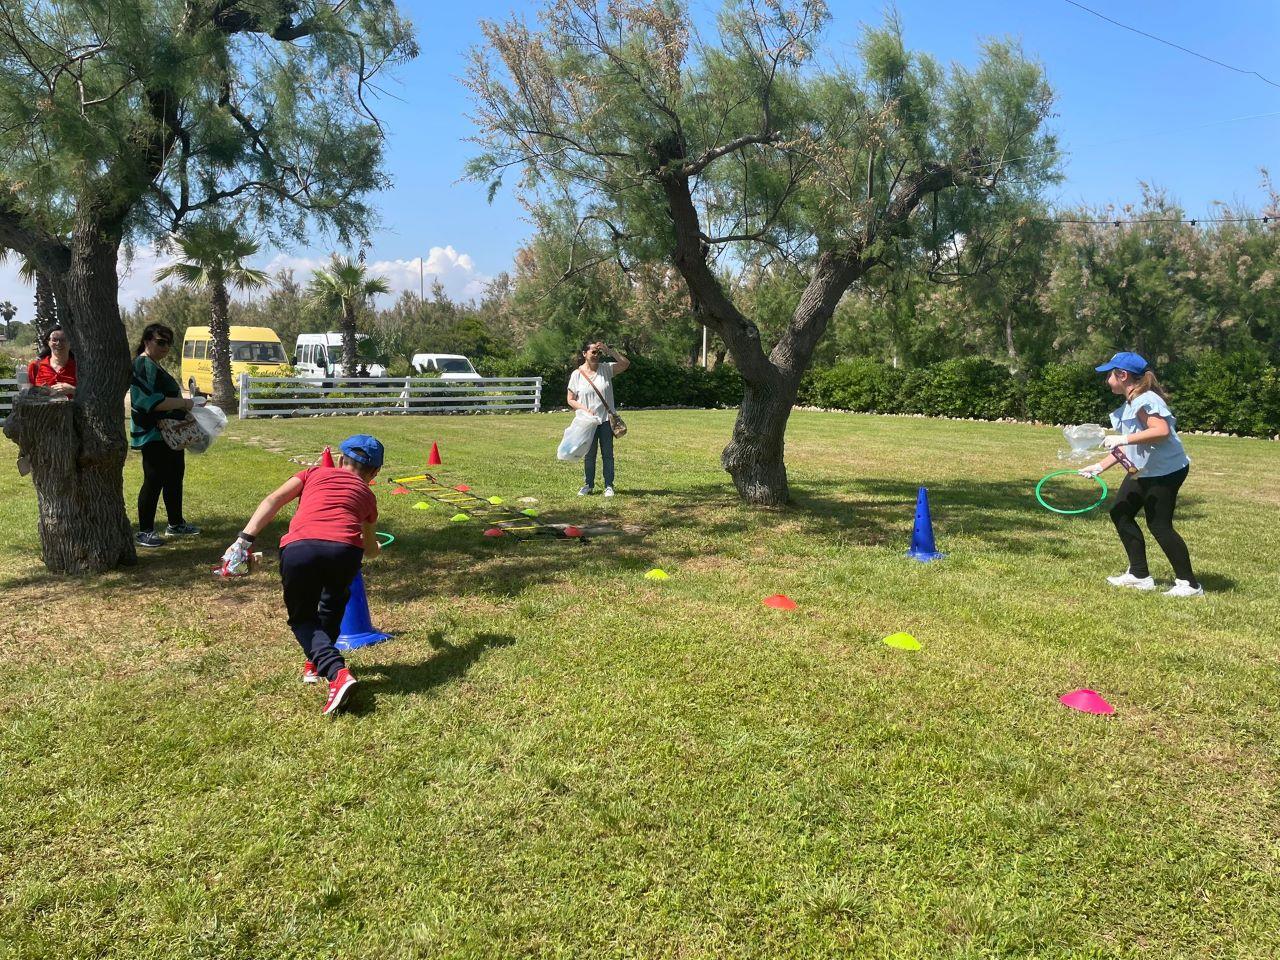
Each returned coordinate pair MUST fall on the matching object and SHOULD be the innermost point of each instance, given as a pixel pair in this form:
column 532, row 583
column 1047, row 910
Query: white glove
column 235, row 562
column 1114, row 440
column 199, row 401
column 1091, row 471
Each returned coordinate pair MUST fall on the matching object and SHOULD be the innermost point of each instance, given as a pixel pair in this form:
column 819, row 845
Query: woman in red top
column 55, row 368
column 331, row 533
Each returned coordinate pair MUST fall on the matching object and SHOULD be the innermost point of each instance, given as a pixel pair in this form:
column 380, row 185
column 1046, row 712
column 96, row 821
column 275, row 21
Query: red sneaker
column 309, row 674
column 339, row 687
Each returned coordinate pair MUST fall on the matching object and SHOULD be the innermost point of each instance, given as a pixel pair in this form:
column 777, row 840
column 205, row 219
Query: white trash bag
column 577, row 436
column 211, row 421
column 1085, row 440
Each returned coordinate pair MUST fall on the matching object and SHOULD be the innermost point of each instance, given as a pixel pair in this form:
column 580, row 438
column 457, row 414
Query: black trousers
column 1156, row 497
column 162, row 472
column 317, row 577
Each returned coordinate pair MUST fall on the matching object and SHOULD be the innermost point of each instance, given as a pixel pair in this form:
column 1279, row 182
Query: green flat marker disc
column 656, row 574
column 460, row 518
column 902, row 641
column 530, row 512
column 422, row 505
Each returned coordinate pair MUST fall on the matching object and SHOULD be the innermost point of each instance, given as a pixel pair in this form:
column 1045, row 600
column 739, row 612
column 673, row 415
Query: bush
column 1237, row 393
column 8, row 367
column 1069, row 393
column 865, row 385
column 647, row 383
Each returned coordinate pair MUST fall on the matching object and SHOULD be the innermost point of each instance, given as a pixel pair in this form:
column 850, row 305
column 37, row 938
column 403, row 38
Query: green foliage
column 8, row 366
column 963, row 387
column 864, row 385
column 1236, row 393
column 1068, row 393
column 647, row 383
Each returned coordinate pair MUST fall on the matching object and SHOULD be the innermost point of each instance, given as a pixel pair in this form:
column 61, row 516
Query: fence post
column 244, row 395
column 537, row 394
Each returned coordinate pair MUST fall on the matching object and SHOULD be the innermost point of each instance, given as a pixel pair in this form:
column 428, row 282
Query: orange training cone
column 434, row 460
column 357, row 626
column 326, row 458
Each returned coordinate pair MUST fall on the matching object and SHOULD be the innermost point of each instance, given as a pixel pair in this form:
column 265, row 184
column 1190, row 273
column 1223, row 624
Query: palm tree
column 212, row 260
column 46, row 315
column 345, row 287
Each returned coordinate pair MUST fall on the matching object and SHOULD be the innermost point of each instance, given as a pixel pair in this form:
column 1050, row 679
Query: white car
column 318, row 356
column 450, row 366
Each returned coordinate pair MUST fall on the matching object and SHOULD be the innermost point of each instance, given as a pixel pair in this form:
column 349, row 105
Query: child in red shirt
column 331, row 533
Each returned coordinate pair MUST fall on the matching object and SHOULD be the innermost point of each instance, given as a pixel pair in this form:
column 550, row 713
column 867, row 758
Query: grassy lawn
column 556, row 757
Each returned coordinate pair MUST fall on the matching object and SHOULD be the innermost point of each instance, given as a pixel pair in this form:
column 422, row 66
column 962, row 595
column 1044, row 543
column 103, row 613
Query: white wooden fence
column 8, row 390
column 296, row 397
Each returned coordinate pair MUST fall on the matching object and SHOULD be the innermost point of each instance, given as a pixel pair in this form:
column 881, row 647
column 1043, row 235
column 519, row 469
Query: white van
column 450, row 366
column 318, row 356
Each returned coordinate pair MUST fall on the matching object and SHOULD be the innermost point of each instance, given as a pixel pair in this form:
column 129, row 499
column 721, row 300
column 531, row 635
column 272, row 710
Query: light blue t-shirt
column 1157, row 459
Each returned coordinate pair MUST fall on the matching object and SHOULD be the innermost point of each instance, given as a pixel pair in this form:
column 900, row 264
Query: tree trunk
column 224, row 394
column 349, row 363
column 46, row 317
column 77, row 450
column 754, row 457
column 83, row 528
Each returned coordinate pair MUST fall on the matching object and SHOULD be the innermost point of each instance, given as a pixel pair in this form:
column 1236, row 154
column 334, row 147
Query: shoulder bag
column 616, row 423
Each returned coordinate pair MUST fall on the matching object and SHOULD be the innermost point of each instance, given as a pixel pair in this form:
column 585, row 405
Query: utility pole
column 421, row 291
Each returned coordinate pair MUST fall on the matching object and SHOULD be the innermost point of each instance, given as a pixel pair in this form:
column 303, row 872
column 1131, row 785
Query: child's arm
column 369, row 533
column 1093, row 469
column 1154, row 429
column 269, row 507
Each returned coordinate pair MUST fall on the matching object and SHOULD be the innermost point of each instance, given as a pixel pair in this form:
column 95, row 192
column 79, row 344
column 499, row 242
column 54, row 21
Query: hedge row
column 1236, row 393
column 648, row 383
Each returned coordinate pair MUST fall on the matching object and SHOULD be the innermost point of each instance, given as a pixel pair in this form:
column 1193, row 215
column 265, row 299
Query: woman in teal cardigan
column 154, row 396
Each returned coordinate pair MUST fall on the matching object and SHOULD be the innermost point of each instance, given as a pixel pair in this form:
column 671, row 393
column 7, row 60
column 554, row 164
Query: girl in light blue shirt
column 1148, row 440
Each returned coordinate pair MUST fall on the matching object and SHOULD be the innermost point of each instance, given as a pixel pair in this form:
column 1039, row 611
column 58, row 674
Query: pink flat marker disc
column 1086, row 701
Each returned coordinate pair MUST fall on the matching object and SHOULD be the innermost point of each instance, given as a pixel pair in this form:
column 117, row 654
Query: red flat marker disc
column 780, row 601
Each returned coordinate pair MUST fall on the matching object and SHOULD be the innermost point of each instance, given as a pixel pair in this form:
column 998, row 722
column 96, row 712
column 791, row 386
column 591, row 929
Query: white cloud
column 456, row 272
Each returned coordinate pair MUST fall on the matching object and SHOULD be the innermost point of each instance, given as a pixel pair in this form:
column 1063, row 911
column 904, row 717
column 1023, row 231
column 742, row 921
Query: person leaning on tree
column 55, row 367
column 154, row 395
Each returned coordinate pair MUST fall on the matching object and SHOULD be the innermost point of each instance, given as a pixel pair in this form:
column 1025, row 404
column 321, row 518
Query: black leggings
column 1156, row 497
column 162, row 472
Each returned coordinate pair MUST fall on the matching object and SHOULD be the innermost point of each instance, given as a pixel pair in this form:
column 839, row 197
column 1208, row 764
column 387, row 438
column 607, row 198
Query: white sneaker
column 584, row 492
column 608, row 491
column 1183, row 588
column 1127, row 579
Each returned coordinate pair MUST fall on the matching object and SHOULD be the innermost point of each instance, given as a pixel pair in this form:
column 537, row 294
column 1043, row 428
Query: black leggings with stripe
column 1156, row 497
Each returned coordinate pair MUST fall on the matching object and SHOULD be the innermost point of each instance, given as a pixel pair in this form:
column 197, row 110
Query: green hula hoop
column 390, row 539
column 1058, row 473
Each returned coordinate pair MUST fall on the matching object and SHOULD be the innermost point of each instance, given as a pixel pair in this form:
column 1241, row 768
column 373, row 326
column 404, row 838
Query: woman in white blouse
column 591, row 390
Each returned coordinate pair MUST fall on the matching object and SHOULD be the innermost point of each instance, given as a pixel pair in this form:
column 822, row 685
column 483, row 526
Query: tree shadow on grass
column 450, row 662
column 456, row 559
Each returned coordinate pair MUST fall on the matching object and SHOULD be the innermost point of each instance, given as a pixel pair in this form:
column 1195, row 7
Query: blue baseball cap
column 1125, row 361
column 363, row 449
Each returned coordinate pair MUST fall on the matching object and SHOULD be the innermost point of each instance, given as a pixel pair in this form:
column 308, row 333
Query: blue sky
column 1129, row 109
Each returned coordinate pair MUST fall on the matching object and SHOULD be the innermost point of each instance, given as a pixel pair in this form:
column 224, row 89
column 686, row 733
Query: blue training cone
column 357, row 627
column 922, row 545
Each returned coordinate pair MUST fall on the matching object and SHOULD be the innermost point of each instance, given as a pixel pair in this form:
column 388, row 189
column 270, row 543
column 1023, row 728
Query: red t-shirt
column 40, row 373
column 334, row 505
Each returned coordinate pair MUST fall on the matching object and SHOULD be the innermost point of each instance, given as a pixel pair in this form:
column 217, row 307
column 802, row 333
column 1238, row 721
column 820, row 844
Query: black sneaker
column 181, row 530
column 148, row 538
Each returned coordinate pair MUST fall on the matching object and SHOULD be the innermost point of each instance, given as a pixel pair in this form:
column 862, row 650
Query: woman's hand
column 1112, row 441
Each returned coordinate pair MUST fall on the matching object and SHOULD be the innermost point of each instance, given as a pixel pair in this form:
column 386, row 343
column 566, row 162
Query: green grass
column 558, row 758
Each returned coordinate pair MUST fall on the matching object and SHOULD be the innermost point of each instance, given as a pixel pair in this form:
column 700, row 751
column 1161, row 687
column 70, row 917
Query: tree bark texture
column 224, row 394
column 46, row 317
column 349, row 365
column 754, row 457
column 83, row 528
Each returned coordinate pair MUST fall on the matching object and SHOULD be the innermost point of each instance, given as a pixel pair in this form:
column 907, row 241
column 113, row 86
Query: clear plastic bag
column 211, row 421
column 577, row 436
column 1085, row 440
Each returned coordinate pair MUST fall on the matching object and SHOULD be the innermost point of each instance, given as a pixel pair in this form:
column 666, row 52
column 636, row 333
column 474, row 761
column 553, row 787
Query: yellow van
column 250, row 347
